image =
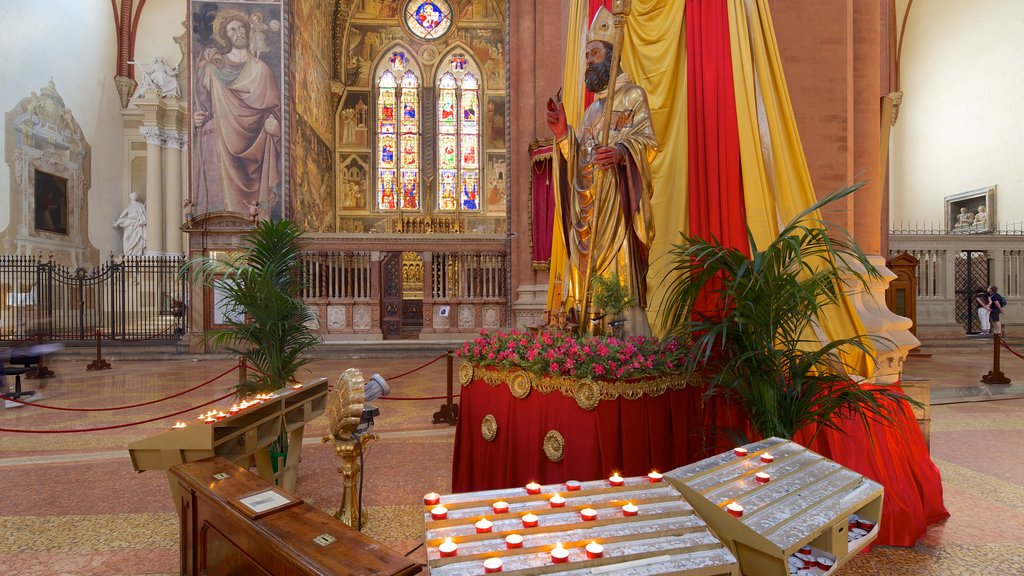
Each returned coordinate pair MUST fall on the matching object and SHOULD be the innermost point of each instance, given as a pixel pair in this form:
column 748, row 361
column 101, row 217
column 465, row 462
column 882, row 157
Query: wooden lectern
column 234, row 522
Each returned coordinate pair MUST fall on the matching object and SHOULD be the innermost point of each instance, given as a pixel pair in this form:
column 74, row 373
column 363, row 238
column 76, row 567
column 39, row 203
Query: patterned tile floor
column 71, row 504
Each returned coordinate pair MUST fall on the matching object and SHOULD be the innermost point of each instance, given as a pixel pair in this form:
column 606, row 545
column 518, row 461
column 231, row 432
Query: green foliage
column 758, row 346
column 266, row 317
column 611, row 295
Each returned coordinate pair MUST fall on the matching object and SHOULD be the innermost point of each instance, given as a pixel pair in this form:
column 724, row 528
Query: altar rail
column 944, row 300
column 136, row 298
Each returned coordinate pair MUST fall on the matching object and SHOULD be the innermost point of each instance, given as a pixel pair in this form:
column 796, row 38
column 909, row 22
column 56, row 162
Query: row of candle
column 530, row 520
column 534, row 488
column 735, row 509
column 559, row 554
column 218, row 415
column 742, row 452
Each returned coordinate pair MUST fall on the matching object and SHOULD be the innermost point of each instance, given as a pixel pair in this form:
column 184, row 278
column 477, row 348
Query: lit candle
column 483, row 525
column 734, row 509
column 588, row 514
column 594, row 550
column 767, row 458
column 572, row 485
column 296, row 386
column 630, row 509
column 559, row 555
column 513, row 541
column 533, row 488
column 616, row 480
column 557, row 501
column 221, row 415
column 210, row 420
column 234, row 409
column 179, row 424
column 500, row 507
column 740, row 451
column 448, row 548
column 530, row 520
column 763, row 477
column 654, row 477
column 492, row 565
column 439, row 513
column 432, row 499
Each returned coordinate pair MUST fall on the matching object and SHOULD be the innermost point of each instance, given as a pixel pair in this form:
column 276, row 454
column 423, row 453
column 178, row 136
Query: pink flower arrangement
column 556, row 353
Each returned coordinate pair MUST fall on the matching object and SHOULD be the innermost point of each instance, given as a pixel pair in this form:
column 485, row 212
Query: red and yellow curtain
column 728, row 143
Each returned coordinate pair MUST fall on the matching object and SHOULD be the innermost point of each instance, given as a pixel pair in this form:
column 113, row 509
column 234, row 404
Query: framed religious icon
column 972, row 212
column 51, row 203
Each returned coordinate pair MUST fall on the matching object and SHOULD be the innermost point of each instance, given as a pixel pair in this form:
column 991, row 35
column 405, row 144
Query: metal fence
column 139, row 298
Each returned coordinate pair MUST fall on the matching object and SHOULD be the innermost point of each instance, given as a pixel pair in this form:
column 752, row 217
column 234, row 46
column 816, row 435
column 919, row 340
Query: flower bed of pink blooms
column 558, row 353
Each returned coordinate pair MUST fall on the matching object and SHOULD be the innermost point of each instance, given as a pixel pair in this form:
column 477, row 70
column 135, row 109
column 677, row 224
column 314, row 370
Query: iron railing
column 137, row 298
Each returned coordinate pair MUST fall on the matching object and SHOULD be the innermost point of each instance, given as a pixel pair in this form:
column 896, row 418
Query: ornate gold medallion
column 554, row 445
column 587, row 394
column 465, row 373
column 520, row 384
column 489, row 428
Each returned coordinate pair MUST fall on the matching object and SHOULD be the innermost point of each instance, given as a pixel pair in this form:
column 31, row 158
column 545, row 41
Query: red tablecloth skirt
column 633, row 437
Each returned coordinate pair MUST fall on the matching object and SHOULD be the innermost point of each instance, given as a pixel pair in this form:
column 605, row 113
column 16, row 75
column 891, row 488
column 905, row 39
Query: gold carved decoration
column 587, row 392
column 554, row 445
column 465, row 373
column 520, row 384
column 489, row 428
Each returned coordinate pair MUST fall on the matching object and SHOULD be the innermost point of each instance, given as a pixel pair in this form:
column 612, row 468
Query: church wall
column 312, row 115
column 74, row 42
column 960, row 122
column 159, row 23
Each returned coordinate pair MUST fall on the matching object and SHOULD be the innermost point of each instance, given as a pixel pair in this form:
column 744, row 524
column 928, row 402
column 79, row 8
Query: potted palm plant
column 267, row 323
column 758, row 345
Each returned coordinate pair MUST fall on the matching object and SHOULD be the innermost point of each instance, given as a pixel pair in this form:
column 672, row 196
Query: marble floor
column 70, row 503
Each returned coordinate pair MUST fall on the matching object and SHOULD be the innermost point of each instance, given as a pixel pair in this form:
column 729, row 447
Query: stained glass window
column 398, row 137
column 458, row 139
column 428, row 19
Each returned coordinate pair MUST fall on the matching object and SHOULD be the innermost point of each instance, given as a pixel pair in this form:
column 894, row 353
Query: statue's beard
column 597, row 75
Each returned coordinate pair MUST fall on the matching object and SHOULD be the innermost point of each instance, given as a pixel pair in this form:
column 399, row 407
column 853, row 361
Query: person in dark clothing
column 995, row 309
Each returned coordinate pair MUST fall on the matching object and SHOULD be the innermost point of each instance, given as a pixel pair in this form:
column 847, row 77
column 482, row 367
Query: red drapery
column 543, row 203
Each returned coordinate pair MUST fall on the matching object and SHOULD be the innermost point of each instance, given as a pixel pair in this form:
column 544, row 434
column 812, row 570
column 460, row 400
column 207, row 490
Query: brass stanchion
column 449, row 411
column 995, row 376
column 99, row 363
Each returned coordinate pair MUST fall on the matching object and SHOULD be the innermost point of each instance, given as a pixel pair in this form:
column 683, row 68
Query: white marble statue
column 964, row 219
column 160, row 77
column 133, row 222
column 981, row 218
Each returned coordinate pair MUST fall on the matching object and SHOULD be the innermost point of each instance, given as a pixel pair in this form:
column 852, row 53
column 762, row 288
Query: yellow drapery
column 776, row 180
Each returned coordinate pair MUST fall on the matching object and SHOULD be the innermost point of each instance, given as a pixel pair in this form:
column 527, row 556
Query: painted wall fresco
column 311, row 65
column 237, row 106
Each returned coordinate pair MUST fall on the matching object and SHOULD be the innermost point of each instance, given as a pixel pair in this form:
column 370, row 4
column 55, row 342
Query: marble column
column 172, row 191
column 154, row 190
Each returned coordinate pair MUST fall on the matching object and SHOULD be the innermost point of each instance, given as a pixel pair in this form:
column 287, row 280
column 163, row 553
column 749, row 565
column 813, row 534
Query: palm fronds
column 754, row 336
column 267, row 323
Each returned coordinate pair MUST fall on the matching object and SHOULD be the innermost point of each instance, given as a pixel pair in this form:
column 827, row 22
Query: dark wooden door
column 391, row 296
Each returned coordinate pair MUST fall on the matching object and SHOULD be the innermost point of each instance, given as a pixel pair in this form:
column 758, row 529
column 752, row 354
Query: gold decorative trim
column 465, row 373
column 489, row 428
column 587, row 392
column 554, row 445
column 520, row 384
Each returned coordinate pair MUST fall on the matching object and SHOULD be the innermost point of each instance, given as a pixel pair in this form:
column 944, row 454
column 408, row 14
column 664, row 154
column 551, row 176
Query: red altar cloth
column 633, row 437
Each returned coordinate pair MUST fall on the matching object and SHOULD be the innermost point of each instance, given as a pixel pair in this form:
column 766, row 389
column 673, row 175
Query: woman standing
column 984, row 306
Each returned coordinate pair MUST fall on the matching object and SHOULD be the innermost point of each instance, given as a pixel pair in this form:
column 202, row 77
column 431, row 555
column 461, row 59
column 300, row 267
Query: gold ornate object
column 554, row 445
column 587, row 393
column 465, row 373
column 344, row 412
column 489, row 428
column 520, row 384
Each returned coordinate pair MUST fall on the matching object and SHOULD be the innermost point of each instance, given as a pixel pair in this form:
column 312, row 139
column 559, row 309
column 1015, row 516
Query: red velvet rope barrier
column 1012, row 351
column 158, row 400
column 417, row 369
column 418, row 397
column 115, row 426
column 16, row 344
